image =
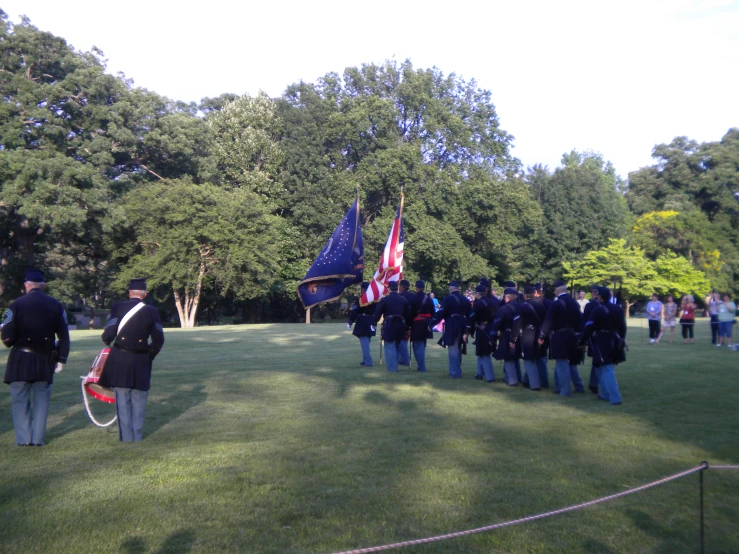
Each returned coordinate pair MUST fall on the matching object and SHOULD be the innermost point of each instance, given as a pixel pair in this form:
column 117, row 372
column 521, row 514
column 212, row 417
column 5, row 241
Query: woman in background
column 669, row 314
column 687, row 318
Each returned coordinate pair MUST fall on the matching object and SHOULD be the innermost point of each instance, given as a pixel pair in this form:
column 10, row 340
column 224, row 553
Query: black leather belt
column 131, row 350
column 34, row 351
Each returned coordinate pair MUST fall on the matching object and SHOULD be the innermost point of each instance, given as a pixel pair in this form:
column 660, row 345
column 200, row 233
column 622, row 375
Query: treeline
column 224, row 204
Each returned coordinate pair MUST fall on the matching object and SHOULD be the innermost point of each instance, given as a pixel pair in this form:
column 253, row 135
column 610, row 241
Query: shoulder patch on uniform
column 111, row 322
column 8, row 317
column 64, row 316
column 159, row 327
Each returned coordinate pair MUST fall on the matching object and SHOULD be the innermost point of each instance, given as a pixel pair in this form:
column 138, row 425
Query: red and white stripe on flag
column 391, row 262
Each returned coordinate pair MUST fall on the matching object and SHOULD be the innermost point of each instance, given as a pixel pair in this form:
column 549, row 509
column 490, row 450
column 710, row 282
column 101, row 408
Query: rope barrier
column 702, row 467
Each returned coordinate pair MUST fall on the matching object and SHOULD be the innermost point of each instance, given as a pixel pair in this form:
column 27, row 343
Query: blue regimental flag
column 339, row 265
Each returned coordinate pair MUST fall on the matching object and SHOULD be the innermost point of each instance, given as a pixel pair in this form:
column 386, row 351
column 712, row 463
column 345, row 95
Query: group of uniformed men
column 35, row 329
column 515, row 327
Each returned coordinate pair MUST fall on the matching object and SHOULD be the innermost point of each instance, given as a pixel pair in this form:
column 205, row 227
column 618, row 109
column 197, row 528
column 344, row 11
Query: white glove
column 59, row 367
column 349, row 326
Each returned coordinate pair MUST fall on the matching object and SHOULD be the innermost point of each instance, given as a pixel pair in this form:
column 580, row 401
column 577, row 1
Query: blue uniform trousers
column 594, row 379
column 485, row 368
column 129, row 406
column 392, row 355
column 455, row 360
column 510, row 375
column 541, row 365
column 404, row 356
column 565, row 372
column 366, row 356
column 532, row 373
column 419, row 353
column 608, row 384
column 28, row 429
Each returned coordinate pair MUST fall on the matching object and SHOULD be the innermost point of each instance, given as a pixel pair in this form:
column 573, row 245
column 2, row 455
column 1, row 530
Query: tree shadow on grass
column 176, row 543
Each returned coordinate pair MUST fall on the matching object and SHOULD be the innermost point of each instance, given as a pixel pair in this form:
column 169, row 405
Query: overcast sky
column 616, row 77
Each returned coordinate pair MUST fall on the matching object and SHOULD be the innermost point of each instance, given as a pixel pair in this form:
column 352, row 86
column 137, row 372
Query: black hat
column 528, row 289
column 604, row 292
column 34, row 275
column 454, row 284
column 511, row 284
column 405, row 283
column 420, row 285
column 510, row 290
column 481, row 288
column 393, row 286
column 485, row 282
column 559, row 283
column 365, row 285
column 137, row 284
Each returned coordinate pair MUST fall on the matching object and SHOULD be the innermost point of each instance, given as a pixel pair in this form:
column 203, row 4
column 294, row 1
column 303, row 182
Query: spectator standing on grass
column 654, row 315
column 435, row 300
column 582, row 300
column 669, row 314
column 361, row 317
column 28, row 329
column 687, row 318
column 712, row 302
column 130, row 325
column 726, row 315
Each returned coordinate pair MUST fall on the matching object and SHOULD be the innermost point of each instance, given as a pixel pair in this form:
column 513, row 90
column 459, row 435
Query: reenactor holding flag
column 395, row 309
column 361, row 317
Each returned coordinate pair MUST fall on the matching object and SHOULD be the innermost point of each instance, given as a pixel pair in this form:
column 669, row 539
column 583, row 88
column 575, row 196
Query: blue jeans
column 455, row 361
column 485, row 368
column 419, row 353
column 366, row 356
column 566, row 372
column 30, row 430
column 532, row 372
column 404, row 357
column 608, row 384
column 510, row 375
column 392, row 355
column 129, row 406
column 541, row 365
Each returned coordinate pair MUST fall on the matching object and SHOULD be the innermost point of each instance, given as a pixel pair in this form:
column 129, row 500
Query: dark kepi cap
column 420, row 285
column 405, row 283
column 510, row 290
column 559, row 283
column 481, row 288
column 537, row 286
column 604, row 292
column 365, row 285
column 485, row 282
column 510, row 284
column 454, row 284
column 529, row 289
column 594, row 287
column 34, row 275
column 137, row 284
column 393, row 286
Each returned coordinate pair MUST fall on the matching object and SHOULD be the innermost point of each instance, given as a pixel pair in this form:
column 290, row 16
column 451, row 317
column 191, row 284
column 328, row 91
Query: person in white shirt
column 582, row 301
column 654, row 314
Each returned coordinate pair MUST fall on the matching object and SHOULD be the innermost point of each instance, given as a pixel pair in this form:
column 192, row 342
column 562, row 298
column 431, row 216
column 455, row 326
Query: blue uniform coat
column 396, row 310
column 422, row 310
column 604, row 332
column 528, row 329
column 503, row 327
column 561, row 325
column 454, row 311
column 361, row 318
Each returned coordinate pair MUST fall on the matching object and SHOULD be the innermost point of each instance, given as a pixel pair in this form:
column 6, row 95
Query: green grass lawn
column 271, row 438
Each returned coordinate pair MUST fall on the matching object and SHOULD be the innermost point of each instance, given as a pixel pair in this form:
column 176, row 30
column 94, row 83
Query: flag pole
column 307, row 316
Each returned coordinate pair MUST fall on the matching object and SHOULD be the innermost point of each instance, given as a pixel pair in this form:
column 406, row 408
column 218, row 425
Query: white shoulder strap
column 129, row 315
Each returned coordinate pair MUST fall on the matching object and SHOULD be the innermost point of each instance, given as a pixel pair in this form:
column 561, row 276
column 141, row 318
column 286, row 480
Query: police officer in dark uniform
column 508, row 346
column 361, row 317
column 404, row 291
column 455, row 308
column 605, row 332
column 481, row 328
column 128, row 369
column 528, row 328
column 561, row 325
column 593, row 381
column 541, row 363
column 396, row 310
column 28, row 329
column 422, row 310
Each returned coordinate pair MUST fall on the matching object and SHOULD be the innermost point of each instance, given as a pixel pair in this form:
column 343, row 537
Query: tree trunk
column 627, row 307
column 187, row 304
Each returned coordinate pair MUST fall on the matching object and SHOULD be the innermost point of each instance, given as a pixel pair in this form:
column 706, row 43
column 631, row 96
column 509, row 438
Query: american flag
column 391, row 262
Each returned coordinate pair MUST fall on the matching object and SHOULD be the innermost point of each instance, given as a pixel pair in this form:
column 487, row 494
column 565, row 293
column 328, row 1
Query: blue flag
column 339, row 265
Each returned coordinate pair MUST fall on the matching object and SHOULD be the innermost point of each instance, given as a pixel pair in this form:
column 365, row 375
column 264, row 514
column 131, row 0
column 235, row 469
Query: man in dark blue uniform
column 561, row 325
column 422, row 310
column 404, row 355
column 454, row 311
column 396, row 310
column 29, row 327
column 508, row 347
column 128, row 370
column 605, row 332
column 593, row 381
column 364, row 330
column 528, row 328
column 541, row 363
column 481, row 328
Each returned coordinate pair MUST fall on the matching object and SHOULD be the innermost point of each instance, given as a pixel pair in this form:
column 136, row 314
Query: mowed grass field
column 272, row 438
